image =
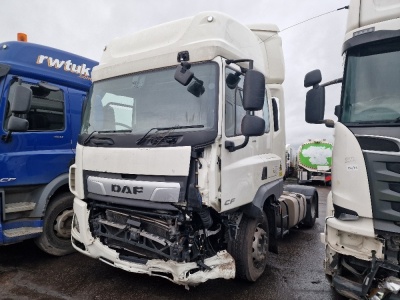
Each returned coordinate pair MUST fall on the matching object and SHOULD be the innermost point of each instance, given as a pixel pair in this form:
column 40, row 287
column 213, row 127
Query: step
column 18, row 207
column 15, row 232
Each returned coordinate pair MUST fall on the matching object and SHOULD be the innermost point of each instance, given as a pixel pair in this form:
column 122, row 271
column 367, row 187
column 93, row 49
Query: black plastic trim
column 341, row 210
column 365, row 38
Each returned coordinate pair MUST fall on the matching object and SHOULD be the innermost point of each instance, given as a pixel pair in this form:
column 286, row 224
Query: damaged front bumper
column 221, row 265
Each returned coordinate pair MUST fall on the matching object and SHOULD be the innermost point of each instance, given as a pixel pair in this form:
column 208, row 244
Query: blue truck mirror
column 21, row 100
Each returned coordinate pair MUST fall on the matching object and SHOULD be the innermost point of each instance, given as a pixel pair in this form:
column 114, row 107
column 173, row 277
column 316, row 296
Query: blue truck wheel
column 56, row 236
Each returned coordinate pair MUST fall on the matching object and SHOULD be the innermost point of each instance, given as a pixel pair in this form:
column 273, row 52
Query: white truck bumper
column 188, row 274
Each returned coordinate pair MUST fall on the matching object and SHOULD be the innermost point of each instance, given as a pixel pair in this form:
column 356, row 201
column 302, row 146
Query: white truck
column 314, row 162
column 362, row 231
column 179, row 164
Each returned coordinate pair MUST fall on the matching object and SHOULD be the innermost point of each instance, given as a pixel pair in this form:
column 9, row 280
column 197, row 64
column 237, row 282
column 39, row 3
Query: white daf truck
column 362, row 233
column 180, row 160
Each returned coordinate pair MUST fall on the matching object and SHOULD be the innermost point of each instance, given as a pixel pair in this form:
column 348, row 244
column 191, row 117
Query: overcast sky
column 84, row 27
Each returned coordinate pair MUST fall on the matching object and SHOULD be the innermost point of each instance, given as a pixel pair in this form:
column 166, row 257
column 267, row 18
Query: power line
column 291, row 26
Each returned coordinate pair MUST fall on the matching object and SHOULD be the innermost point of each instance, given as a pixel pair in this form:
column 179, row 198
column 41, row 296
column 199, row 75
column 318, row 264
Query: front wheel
column 250, row 248
column 56, row 236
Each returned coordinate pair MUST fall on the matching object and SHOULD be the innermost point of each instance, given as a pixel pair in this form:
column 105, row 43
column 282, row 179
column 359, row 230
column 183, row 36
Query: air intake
column 377, row 144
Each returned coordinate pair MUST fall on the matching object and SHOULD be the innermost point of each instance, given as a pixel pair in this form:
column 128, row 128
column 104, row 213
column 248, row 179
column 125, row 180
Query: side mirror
column 182, row 73
column 20, row 104
column 315, row 98
column 253, row 90
column 16, row 124
column 253, row 126
column 232, row 80
column 315, row 105
column 196, row 88
column 21, row 100
column 312, row 78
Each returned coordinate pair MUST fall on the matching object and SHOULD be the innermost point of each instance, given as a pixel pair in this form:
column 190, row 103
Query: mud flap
column 271, row 216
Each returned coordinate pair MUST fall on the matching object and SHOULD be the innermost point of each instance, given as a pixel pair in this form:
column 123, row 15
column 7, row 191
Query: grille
column 394, row 167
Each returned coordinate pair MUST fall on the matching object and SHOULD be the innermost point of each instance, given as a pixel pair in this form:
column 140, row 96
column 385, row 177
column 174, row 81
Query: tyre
column 250, row 248
column 56, row 236
column 311, row 214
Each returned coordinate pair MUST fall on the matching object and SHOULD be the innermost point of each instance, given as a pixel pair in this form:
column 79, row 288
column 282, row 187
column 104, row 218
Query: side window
column 266, row 115
column 275, row 111
column 234, row 111
column 47, row 109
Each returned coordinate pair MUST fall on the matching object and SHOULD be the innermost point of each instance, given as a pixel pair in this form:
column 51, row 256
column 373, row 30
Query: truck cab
column 362, row 234
column 42, row 91
column 180, row 160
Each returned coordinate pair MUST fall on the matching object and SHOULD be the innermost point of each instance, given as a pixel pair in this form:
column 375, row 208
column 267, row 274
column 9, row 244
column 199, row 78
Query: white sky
column 84, row 27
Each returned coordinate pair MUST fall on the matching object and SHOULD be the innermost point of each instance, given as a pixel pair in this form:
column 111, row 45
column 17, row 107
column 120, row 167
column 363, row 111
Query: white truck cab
column 179, row 164
column 362, row 233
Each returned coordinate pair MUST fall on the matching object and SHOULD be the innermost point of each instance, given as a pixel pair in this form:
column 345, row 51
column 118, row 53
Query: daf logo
column 126, row 189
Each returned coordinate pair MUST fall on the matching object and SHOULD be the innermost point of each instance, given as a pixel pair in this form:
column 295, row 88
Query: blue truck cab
column 42, row 91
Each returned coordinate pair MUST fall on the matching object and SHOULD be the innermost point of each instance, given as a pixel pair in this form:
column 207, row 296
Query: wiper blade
column 90, row 136
column 397, row 120
column 143, row 138
column 377, row 122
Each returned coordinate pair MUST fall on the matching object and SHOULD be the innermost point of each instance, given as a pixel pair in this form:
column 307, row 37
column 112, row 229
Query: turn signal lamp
column 22, row 37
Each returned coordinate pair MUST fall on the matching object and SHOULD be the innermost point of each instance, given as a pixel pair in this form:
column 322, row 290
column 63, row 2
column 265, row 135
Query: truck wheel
column 56, row 236
column 250, row 248
column 311, row 214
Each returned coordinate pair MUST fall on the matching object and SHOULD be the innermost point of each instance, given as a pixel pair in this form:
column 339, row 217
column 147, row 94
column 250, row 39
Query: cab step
column 18, row 207
column 16, row 232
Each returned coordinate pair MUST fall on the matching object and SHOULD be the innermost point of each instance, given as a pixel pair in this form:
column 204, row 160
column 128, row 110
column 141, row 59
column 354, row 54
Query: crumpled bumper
column 222, row 265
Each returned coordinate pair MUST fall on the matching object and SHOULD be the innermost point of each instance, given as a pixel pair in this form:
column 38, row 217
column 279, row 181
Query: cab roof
column 24, row 60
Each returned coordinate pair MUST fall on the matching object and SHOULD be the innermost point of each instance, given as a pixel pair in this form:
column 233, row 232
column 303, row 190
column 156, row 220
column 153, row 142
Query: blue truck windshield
column 139, row 102
column 371, row 86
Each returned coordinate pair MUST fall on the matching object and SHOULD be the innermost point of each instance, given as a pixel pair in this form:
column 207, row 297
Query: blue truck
column 42, row 92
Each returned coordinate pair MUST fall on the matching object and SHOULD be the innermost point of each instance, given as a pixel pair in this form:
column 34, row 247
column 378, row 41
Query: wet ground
column 295, row 273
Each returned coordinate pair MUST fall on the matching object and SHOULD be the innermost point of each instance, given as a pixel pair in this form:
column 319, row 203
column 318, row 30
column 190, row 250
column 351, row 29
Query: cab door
column 241, row 170
column 43, row 152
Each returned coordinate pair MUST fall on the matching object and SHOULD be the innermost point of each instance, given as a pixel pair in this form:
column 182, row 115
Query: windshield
column 139, row 102
column 371, row 86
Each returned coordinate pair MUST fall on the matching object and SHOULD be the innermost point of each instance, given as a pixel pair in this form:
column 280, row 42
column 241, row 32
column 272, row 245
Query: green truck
column 314, row 161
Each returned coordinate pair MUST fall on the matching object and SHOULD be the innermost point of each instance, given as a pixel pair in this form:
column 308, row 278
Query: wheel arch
column 56, row 187
column 264, row 195
column 267, row 195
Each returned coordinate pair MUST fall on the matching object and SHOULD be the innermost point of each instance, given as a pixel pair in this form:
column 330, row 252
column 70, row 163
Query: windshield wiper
column 397, row 120
column 143, row 138
column 377, row 122
column 90, row 136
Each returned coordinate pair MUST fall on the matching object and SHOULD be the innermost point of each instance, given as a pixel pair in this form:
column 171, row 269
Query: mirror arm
column 230, row 146
column 329, row 123
column 335, row 81
column 250, row 61
column 7, row 137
